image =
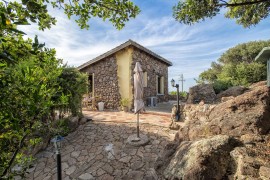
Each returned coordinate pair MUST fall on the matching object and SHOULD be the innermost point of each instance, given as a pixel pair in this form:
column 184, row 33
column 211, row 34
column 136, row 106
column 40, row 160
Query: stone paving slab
column 99, row 149
column 161, row 119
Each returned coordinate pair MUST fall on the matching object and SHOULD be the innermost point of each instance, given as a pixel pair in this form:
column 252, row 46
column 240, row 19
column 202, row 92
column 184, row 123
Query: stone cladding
column 153, row 67
column 106, row 82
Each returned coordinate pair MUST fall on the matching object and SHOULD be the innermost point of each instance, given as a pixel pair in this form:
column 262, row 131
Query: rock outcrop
column 248, row 113
column 252, row 159
column 202, row 159
column 232, row 91
column 229, row 140
column 258, row 84
column 201, row 92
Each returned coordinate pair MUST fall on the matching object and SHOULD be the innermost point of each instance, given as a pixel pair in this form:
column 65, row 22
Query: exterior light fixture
column 173, row 83
column 57, row 144
column 177, row 118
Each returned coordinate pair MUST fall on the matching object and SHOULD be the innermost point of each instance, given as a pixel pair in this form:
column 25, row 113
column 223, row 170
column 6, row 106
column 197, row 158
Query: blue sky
column 191, row 49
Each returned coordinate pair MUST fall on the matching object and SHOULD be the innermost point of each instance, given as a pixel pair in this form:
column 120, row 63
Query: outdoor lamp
column 177, row 118
column 172, row 82
column 57, row 144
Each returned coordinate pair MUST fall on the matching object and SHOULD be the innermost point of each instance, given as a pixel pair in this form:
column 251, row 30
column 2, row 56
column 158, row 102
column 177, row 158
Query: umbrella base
column 135, row 141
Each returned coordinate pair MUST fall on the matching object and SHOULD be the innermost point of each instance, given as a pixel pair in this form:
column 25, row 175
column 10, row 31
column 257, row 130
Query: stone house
column 111, row 74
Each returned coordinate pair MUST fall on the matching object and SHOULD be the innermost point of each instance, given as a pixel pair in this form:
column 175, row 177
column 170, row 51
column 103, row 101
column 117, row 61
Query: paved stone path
column 154, row 118
column 98, row 149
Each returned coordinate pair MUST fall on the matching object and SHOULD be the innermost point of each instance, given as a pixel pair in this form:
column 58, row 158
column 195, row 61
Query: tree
column 246, row 12
column 243, row 73
column 73, row 85
column 236, row 67
column 33, row 82
column 26, row 85
column 13, row 13
column 31, row 87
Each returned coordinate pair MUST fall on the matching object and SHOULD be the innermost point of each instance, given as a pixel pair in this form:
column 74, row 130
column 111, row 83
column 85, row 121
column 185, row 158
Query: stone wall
column 106, row 81
column 106, row 84
column 153, row 67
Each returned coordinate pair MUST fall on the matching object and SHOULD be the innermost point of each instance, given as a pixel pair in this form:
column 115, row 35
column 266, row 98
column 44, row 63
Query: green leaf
column 3, row 18
column 21, row 23
column 17, row 31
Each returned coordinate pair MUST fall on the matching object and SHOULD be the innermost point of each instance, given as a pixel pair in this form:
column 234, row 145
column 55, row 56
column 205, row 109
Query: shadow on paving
column 98, row 150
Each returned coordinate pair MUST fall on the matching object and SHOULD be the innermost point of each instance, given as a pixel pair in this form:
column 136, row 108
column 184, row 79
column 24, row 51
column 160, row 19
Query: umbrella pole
column 138, row 129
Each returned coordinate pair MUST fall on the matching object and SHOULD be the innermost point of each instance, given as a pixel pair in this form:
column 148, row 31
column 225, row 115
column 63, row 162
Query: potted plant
column 124, row 104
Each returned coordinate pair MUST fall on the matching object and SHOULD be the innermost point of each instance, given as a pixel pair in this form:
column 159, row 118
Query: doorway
column 91, row 85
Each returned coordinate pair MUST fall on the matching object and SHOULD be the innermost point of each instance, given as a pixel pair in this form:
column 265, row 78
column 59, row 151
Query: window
column 160, row 84
column 145, row 78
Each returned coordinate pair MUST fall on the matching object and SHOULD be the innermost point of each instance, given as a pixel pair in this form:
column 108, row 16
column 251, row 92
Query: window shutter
column 157, row 83
column 144, row 79
column 162, row 85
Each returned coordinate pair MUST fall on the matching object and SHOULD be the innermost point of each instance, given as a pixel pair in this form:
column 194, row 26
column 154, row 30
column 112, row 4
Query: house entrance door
column 91, row 85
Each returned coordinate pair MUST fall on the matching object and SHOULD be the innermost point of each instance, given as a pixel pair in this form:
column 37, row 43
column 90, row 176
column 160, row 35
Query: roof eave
column 151, row 53
column 120, row 47
column 264, row 55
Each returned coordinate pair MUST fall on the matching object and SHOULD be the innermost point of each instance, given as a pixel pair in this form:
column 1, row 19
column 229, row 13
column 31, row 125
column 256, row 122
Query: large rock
column 203, row 159
column 258, row 84
column 252, row 161
column 217, row 157
column 165, row 156
column 201, row 92
column 232, row 91
column 246, row 167
column 206, row 147
column 248, row 113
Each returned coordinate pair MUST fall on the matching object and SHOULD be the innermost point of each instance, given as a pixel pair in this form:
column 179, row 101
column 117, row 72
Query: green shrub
column 220, row 85
column 173, row 93
column 236, row 67
column 61, row 127
column 124, row 102
column 181, row 94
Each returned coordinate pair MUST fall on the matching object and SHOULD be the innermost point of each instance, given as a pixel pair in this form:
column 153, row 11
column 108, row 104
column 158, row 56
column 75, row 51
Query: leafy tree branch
column 10, row 163
column 226, row 4
column 245, row 12
column 13, row 13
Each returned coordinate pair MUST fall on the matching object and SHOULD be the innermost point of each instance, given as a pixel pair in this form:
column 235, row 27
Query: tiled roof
column 122, row 46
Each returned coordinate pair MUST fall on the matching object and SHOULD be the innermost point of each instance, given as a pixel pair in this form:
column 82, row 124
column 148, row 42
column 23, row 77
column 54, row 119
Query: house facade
column 111, row 74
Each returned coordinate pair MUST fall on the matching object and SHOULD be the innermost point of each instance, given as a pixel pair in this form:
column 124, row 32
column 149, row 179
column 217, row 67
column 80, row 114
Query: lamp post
column 57, row 144
column 178, row 110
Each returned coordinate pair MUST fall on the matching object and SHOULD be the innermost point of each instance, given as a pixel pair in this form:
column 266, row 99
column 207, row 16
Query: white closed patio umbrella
column 138, row 93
